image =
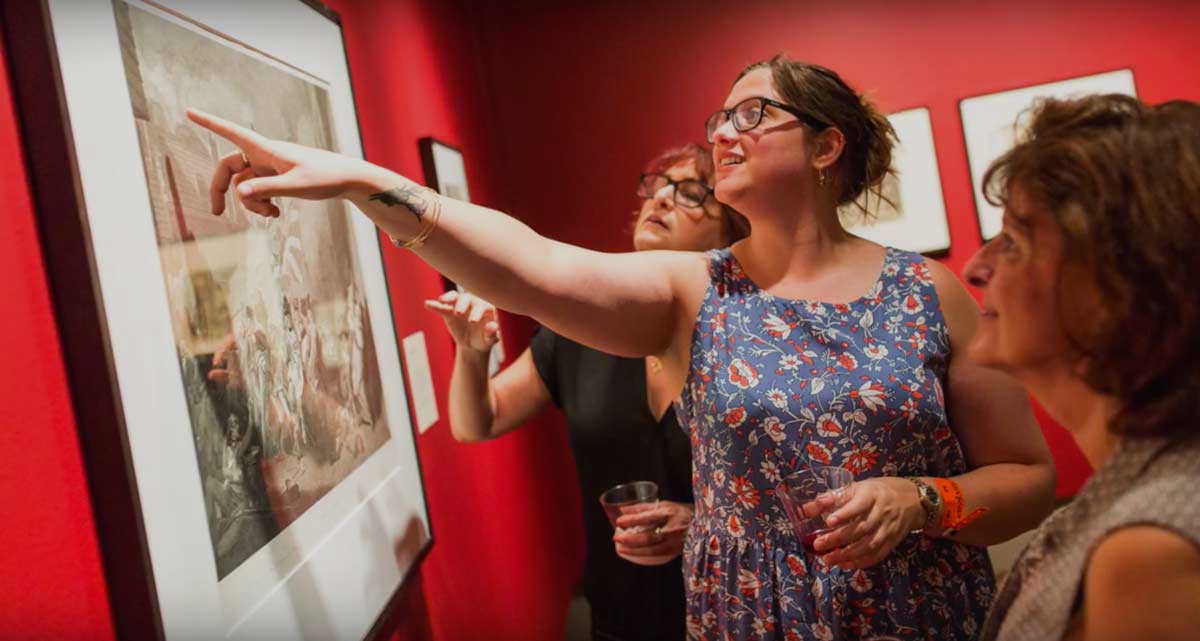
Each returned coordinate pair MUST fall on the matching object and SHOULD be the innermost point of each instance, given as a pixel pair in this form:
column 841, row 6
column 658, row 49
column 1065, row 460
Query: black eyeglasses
column 689, row 192
column 747, row 115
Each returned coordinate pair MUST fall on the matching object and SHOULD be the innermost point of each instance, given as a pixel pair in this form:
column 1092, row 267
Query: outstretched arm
column 626, row 304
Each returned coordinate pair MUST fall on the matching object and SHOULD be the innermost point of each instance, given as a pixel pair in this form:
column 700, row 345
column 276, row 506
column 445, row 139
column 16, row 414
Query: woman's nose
column 665, row 197
column 725, row 134
column 978, row 270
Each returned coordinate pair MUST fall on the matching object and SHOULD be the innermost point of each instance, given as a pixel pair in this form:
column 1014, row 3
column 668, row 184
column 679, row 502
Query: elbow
column 469, row 436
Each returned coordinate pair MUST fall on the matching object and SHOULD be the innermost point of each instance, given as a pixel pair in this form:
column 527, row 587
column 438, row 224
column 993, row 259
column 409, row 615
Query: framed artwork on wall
column 913, row 216
column 446, row 173
column 993, row 122
column 236, row 379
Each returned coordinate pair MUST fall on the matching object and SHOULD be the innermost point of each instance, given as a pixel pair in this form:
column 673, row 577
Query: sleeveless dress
column 776, row 385
column 1148, row 481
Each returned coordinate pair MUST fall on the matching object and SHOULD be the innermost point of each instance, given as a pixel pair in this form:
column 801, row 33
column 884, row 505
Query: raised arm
column 627, row 304
column 483, row 407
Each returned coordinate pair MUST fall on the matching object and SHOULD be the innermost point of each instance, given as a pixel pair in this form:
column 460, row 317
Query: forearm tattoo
column 410, row 197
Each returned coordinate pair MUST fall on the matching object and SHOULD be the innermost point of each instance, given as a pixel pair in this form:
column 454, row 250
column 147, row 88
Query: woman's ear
column 827, row 148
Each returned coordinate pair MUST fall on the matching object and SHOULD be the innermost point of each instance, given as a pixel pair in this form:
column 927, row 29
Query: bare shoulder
column 958, row 306
column 1143, row 580
column 949, row 286
column 1148, row 551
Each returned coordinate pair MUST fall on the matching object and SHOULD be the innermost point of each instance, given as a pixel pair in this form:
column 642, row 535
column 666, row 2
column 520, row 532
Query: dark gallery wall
column 505, row 559
column 556, row 106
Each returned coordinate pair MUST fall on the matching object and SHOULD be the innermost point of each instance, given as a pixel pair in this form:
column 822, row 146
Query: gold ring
column 658, row 532
column 245, row 159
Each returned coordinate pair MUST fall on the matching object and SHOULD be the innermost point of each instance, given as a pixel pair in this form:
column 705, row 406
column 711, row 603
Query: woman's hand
column 265, row 168
column 872, row 523
column 652, row 534
column 470, row 319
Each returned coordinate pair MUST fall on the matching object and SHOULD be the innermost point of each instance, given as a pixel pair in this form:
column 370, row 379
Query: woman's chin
column 646, row 239
column 983, row 352
column 729, row 190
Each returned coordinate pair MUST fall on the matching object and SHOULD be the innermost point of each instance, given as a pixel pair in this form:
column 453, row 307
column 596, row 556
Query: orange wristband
column 953, row 506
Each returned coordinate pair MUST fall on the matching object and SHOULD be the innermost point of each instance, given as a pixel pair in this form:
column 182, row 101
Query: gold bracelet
column 426, row 229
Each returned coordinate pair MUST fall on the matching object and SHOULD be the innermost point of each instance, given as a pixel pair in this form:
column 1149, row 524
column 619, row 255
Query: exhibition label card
column 420, row 381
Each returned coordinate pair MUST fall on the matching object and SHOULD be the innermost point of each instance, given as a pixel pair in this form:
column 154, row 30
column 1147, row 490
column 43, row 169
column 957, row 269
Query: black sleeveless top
column 615, row 440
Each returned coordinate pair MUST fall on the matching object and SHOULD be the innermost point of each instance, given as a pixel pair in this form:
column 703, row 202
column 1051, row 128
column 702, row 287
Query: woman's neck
column 1084, row 412
column 792, row 242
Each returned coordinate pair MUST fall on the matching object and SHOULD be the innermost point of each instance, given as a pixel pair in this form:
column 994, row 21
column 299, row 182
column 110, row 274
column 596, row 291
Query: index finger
column 646, row 518
column 639, row 508
column 242, row 137
column 857, row 506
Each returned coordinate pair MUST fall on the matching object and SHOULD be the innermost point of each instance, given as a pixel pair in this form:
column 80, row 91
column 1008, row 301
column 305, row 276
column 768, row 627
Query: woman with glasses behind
column 799, row 346
column 621, row 423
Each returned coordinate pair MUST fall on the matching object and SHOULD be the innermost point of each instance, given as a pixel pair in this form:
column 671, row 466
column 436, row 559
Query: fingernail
column 832, row 521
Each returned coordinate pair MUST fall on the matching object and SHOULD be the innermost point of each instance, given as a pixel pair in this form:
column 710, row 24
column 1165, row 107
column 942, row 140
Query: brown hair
column 734, row 226
column 820, row 92
column 1122, row 181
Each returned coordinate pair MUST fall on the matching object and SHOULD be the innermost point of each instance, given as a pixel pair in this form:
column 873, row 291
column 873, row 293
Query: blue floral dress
column 777, row 385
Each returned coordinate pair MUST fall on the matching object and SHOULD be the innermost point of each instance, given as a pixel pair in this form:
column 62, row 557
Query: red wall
column 590, row 91
column 556, row 109
column 50, row 575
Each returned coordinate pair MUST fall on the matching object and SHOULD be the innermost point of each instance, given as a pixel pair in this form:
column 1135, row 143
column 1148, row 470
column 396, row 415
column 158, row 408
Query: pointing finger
column 245, row 139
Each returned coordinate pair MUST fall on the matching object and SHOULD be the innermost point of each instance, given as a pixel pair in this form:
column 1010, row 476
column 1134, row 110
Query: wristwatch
column 931, row 502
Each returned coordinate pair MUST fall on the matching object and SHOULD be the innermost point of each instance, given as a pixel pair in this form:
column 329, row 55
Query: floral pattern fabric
column 777, row 385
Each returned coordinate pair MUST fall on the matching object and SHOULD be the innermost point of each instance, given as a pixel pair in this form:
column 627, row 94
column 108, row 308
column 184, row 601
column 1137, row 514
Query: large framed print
column 912, row 213
column 992, row 123
column 236, row 379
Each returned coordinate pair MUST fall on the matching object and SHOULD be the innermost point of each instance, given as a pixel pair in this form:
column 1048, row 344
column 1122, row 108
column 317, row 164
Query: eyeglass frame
column 708, row 190
column 812, row 122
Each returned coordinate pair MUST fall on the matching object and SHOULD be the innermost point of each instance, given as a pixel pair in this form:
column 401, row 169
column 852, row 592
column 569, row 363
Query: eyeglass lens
column 688, row 193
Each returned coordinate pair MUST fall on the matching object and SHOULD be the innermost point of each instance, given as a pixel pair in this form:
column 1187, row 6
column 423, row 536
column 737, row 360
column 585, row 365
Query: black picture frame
column 429, row 147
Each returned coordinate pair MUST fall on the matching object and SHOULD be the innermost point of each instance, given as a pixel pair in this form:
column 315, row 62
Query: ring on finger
column 245, row 160
column 658, row 533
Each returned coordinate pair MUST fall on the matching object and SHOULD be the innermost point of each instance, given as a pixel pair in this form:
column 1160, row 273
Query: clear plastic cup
column 809, row 496
column 617, row 498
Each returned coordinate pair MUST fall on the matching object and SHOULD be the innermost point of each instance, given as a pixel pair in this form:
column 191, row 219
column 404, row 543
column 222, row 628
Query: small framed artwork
column 444, row 168
column 911, row 215
column 237, row 379
column 992, row 124
column 446, row 173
